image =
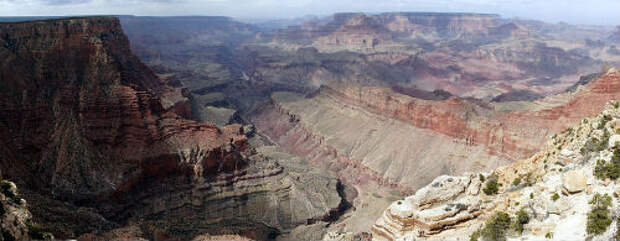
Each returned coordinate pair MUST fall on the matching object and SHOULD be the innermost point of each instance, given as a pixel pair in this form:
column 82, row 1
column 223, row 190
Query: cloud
column 64, row 2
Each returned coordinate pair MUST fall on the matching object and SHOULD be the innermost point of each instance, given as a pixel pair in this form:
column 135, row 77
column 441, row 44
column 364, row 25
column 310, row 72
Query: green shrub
column 481, row 177
column 491, row 187
column 522, row 219
column 599, row 216
column 399, row 202
column 603, row 143
column 604, row 170
column 555, row 197
column 532, row 195
column 549, row 235
column 516, row 181
column 603, row 121
column 475, row 235
column 596, row 144
column 495, row 229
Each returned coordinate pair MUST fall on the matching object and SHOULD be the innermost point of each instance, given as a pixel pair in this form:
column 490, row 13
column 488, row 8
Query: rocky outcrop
column 15, row 216
column 16, row 221
column 454, row 207
column 574, row 181
column 76, row 95
column 86, row 126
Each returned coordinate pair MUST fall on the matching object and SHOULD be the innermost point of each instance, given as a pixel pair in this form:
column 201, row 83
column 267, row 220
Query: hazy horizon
column 596, row 12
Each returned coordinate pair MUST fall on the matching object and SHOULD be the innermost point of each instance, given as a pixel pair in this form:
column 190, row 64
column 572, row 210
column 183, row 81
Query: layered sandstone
column 397, row 140
column 559, row 182
column 86, row 126
column 78, row 86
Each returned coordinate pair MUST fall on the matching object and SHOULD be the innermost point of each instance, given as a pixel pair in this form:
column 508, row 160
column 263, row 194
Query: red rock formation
column 513, row 134
column 85, row 113
column 86, row 126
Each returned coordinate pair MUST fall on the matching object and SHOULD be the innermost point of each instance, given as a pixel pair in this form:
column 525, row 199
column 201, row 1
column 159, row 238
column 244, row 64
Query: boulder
column 614, row 141
column 574, row 181
column 441, row 189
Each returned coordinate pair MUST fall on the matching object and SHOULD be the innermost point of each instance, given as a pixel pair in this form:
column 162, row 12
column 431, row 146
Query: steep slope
column 553, row 190
column 86, row 126
column 405, row 142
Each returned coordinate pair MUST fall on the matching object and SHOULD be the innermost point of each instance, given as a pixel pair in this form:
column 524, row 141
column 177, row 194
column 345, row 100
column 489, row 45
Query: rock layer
column 86, row 126
column 454, row 207
column 401, row 141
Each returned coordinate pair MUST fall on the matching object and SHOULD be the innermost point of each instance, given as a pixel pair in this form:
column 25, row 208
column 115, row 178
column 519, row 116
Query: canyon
column 175, row 128
column 457, row 207
column 77, row 96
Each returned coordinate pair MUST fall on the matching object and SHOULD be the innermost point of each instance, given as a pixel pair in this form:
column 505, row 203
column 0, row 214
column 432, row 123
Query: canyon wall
column 555, row 196
column 404, row 142
column 86, row 126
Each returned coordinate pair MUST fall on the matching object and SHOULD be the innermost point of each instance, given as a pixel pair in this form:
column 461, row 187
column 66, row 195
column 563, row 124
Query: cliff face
column 555, row 194
column 85, row 125
column 503, row 132
column 76, row 95
column 404, row 142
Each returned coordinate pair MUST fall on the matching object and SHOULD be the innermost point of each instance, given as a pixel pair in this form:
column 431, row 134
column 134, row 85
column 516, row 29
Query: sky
column 595, row 12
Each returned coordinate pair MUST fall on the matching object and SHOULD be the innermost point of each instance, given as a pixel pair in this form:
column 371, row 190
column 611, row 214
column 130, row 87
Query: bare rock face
column 108, row 138
column 15, row 215
column 441, row 189
column 441, row 205
column 574, row 181
column 16, row 222
column 344, row 127
column 445, row 211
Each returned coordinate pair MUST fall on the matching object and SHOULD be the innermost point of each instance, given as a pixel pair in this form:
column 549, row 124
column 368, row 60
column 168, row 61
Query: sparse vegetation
column 521, row 220
column 532, row 195
column 604, row 170
column 491, row 186
column 399, row 202
column 611, row 169
column 555, row 197
column 596, row 144
column 599, row 216
column 481, row 177
column 603, row 121
column 494, row 229
column 549, row 235
column 475, row 235
column 516, row 181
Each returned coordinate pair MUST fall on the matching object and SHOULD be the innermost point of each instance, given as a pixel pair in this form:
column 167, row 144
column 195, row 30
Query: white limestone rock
column 574, row 181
